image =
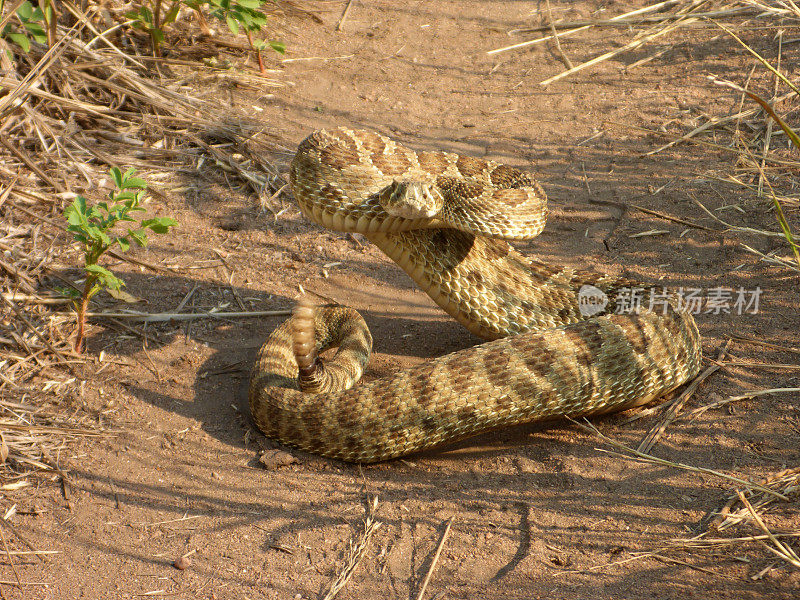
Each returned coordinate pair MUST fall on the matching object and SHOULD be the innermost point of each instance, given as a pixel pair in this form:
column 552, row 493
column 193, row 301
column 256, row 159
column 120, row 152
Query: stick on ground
column 675, row 407
column 356, row 553
column 435, row 559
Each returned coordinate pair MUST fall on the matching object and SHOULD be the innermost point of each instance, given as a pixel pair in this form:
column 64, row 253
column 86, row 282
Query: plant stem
column 81, row 310
column 156, row 28
column 257, row 51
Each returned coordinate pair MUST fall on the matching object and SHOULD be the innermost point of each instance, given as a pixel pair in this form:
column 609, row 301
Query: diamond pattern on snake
column 444, row 219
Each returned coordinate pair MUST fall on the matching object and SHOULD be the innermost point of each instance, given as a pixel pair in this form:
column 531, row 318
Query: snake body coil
column 439, row 215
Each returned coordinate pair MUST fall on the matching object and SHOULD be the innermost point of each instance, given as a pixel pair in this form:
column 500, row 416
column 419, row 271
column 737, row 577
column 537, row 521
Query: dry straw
column 67, row 113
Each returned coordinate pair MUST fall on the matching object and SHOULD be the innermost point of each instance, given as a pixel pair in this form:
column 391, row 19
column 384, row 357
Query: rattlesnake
column 439, row 216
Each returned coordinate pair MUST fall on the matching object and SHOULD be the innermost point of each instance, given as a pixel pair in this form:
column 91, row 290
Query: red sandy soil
column 540, row 511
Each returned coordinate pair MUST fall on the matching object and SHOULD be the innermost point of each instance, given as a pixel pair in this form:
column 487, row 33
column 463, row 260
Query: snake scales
column 440, row 217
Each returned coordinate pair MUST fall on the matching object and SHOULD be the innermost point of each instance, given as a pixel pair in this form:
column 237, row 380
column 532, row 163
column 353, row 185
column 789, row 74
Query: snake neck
column 489, row 287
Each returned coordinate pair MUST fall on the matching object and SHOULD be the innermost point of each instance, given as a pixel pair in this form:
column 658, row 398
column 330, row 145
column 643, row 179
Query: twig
column 784, row 552
column 791, row 349
column 629, row 22
column 735, row 227
column 588, row 427
column 772, row 159
column 435, row 559
column 161, row 317
column 667, row 217
column 357, row 551
column 344, row 15
column 647, row 59
column 32, row 328
column 771, row 259
column 655, row 213
column 683, row 20
column 754, row 394
column 716, row 121
column 757, row 365
column 30, row 164
column 564, row 57
column 178, row 520
column 638, row 11
column 11, row 12
column 676, row 405
column 27, row 543
column 13, row 566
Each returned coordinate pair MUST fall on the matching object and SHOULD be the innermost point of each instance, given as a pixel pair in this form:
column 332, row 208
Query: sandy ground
column 539, row 511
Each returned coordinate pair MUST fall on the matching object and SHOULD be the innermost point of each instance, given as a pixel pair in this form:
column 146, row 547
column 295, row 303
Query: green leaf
column 146, row 15
column 136, row 183
column 119, row 294
column 124, row 243
column 279, row 47
column 21, row 40
column 258, row 20
column 123, row 196
column 78, row 208
column 116, row 175
column 98, row 271
column 245, row 17
column 25, row 10
column 159, row 224
column 67, row 292
column 139, row 236
column 172, row 14
column 232, row 25
column 253, row 4
column 105, row 277
column 35, row 28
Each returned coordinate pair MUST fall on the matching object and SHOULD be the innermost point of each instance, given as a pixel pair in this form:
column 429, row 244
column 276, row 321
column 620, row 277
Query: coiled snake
column 440, row 217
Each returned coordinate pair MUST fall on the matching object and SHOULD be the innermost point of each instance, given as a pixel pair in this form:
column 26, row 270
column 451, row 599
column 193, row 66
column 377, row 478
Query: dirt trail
column 537, row 510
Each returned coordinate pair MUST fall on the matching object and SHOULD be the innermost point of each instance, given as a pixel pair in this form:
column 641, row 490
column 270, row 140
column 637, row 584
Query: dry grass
column 747, row 505
column 67, row 113
column 765, row 165
column 759, row 136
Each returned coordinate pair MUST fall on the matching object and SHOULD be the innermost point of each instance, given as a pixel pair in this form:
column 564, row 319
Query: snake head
column 411, row 199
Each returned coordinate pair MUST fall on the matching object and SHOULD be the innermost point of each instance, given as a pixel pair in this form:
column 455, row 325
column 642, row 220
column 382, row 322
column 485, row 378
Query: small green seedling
column 29, row 26
column 241, row 14
column 91, row 226
column 153, row 16
column 152, row 21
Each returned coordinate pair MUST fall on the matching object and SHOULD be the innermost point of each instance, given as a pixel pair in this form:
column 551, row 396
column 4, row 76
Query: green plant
column 241, row 15
column 148, row 18
column 30, row 21
column 237, row 14
column 91, row 226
